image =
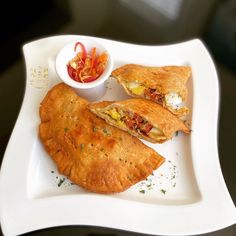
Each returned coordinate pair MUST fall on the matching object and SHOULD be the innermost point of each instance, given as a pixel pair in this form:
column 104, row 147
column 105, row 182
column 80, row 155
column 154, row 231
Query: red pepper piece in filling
column 137, row 122
column 146, row 128
column 130, row 123
column 154, row 95
column 138, row 118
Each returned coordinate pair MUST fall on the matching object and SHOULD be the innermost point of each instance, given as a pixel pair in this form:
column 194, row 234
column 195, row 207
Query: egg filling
column 135, row 88
column 173, row 100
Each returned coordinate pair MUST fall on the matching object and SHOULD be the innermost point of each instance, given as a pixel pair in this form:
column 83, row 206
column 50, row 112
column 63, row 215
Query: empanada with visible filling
column 141, row 118
column 90, row 152
column 164, row 85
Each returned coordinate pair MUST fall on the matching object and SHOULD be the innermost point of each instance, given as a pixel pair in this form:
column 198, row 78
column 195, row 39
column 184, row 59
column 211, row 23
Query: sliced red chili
column 70, row 71
column 73, row 73
column 90, row 79
column 84, row 52
column 86, row 67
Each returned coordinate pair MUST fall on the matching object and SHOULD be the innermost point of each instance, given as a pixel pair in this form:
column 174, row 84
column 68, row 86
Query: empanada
column 164, row 85
column 141, row 118
column 90, row 152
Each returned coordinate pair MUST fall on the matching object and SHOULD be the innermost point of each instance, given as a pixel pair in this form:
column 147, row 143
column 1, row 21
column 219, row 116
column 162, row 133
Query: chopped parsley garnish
column 106, row 131
column 163, row 191
column 61, row 182
column 176, row 133
column 81, row 146
column 66, row 129
column 142, row 191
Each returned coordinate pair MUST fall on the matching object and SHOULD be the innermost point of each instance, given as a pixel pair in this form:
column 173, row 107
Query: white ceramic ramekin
column 92, row 90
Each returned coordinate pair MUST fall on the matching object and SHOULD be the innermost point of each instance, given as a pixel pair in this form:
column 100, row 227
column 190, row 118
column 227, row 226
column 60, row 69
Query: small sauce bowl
column 91, row 90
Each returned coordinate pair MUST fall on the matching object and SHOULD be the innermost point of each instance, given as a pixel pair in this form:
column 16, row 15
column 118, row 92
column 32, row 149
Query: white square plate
column 186, row 195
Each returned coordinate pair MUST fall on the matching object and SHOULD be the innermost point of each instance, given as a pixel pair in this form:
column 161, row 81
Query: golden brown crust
column 164, row 79
column 91, row 153
column 154, row 113
column 180, row 112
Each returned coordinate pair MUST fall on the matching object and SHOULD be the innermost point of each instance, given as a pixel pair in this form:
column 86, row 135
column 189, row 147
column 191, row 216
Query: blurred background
column 150, row 22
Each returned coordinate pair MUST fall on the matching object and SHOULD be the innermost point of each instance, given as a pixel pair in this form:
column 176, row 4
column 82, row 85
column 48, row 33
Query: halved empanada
column 164, row 85
column 141, row 118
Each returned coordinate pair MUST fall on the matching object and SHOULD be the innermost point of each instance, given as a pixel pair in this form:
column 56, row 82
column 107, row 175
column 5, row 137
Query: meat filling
column 133, row 121
column 153, row 95
column 136, row 122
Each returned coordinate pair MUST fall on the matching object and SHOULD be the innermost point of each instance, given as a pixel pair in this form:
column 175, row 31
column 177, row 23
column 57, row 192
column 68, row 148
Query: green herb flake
column 163, row 191
column 142, row 191
column 176, row 133
column 61, row 182
column 149, row 185
column 52, row 171
column 95, row 129
column 81, row 146
column 106, row 131
column 66, row 129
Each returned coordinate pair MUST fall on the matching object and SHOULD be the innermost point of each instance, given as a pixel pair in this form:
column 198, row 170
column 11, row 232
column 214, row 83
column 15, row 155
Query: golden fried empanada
column 141, row 118
column 164, row 85
column 90, row 152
